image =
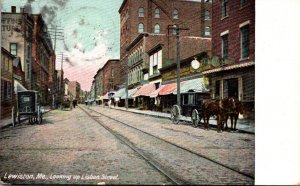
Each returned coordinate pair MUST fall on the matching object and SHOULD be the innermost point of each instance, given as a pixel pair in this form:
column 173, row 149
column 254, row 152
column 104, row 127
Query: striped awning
column 229, row 67
column 193, row 85
column 130, row 93
column 156, row 92
column 145, row 90
column 168, row 89
column 120, row 93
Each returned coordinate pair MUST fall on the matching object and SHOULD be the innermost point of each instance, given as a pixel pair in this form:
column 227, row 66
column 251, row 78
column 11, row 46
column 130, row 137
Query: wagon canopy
column 193, row 85
column 18, row 86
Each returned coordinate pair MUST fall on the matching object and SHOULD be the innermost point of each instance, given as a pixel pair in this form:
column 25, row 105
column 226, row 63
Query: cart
column 191, row 107
column 67, row 103
column 28, row 105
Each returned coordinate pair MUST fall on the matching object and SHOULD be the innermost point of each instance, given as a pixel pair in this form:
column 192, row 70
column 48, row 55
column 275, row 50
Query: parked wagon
column 28, row 105
column 67, row 103
column 191, row 107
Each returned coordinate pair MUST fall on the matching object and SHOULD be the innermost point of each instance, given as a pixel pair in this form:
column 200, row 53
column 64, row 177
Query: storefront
column 237, row 80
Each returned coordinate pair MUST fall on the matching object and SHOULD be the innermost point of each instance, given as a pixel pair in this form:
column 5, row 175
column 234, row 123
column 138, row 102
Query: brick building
column 43, row 65
column 111, row 75
column 148, row 40
column 7, row 83
column 145, row 34
column 98, row 84
column 74, row 89
column 16, row 37
column 233, row 51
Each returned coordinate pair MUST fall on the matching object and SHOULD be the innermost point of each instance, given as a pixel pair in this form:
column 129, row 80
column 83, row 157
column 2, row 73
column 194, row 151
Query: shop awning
column 193, row 85
column 120, row 93
column 105, row 96
column 130, row 93
column 168, row 89
column 18, row 86
column 145, row 90
column 155, row 93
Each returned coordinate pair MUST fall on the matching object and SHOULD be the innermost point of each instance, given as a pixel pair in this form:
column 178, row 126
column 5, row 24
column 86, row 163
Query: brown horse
column 232, row 107
column 213, row 108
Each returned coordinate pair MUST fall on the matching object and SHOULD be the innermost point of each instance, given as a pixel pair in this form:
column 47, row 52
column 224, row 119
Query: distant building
column 111, row 75
column 74, row 89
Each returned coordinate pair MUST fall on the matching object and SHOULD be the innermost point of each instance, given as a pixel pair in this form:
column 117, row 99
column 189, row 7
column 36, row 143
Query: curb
column 22, row 120
column 163, row 117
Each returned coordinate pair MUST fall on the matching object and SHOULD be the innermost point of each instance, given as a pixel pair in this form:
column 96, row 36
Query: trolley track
column 174, row 178
column 175, row 145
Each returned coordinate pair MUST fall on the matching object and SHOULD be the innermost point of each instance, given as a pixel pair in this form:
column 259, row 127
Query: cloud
column 82, row 22
column 82, row 65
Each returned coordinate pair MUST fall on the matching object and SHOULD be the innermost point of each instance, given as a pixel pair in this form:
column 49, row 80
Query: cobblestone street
column 71, row 147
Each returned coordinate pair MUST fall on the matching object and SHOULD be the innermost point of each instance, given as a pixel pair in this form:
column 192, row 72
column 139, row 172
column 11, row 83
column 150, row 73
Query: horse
column 213, row 108
column 233, row 107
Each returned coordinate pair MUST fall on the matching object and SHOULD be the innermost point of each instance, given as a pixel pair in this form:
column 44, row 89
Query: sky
column 91, row 33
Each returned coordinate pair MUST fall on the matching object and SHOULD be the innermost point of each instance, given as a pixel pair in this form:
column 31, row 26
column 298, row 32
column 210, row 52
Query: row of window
column 135, row 75
column 244, row 43
column 157, row 13
column 135, row 57
column 157, row 29
column 225, row 7
column 6, row 90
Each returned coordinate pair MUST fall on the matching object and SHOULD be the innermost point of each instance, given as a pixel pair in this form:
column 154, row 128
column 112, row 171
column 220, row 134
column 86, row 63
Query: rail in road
column 163, row 169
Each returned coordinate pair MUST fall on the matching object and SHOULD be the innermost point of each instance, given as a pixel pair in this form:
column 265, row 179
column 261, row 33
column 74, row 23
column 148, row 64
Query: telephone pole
column 177, row 32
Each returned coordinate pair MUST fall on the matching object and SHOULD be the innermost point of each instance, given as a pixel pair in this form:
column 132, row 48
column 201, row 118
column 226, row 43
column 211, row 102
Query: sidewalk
column 243, row 125
column 8, row 121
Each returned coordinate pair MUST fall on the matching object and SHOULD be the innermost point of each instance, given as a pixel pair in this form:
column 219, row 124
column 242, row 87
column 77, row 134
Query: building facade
column 74, row 89
column 7, row 83
column 16, row 37
column 148, row 42
column 43, row 60
column 111, row 75
column 233, row 51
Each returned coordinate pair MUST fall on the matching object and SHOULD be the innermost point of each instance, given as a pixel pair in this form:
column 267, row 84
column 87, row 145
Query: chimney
column 13, row 9
column 22, row 10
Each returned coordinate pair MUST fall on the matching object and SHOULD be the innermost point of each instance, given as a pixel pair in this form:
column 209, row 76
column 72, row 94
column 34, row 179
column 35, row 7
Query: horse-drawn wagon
column 28, row 105
column 67, row 103
column 222, row 109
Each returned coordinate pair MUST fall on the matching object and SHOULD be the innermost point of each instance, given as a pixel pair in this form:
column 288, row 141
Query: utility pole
column 57, row 33
column 126, row 86
column 177, row 32
column 61, row 93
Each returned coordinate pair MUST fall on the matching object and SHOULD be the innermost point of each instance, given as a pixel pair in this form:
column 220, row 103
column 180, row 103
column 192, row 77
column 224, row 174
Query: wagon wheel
column 39, row 116
column 31, row 120
column 175, row 114
column 18, row 117
column 195, row 117
column 13, row 116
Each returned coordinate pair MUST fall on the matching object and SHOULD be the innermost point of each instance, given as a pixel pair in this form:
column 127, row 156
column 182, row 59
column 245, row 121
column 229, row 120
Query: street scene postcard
column 142, row 92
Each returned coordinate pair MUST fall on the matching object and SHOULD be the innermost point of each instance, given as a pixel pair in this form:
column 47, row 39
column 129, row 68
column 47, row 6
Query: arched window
column 156, row 13
column 141, row 28
column 207, row 15
column 157, row 29
column 175, row 14
column 141, row 12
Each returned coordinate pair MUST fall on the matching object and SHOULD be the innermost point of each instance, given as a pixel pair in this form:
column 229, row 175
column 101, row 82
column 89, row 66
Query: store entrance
column 231, row 88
